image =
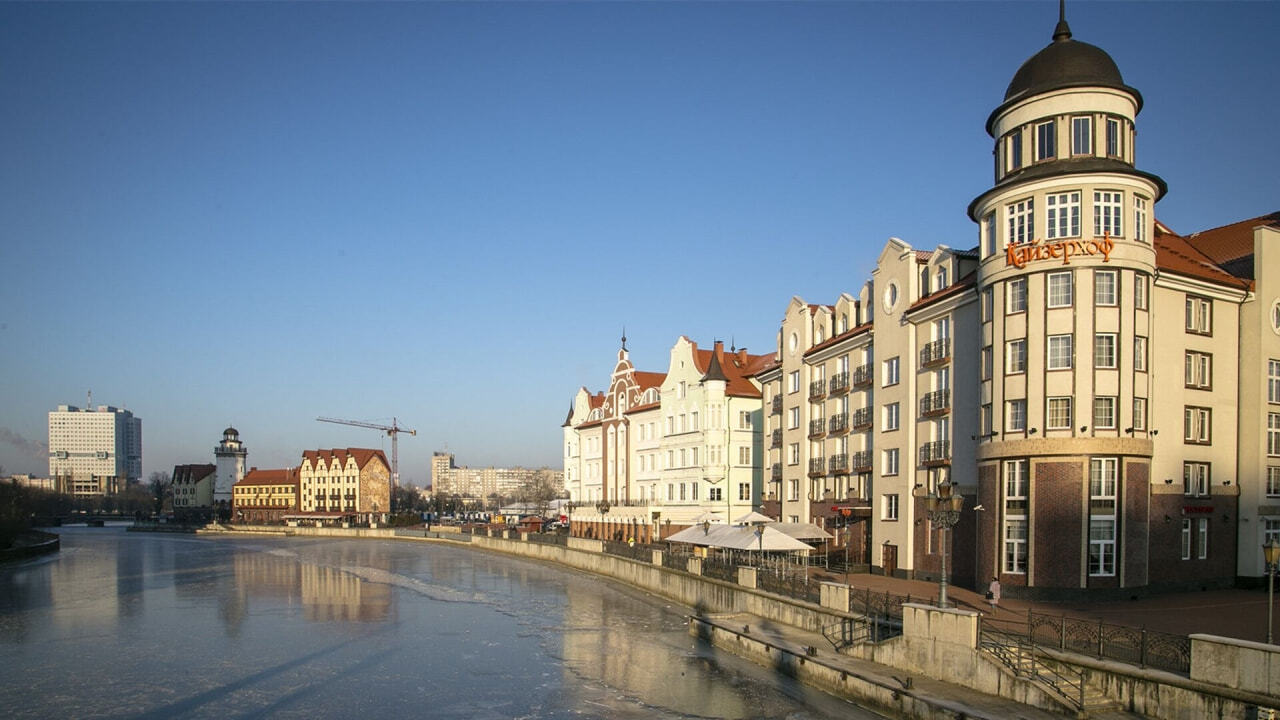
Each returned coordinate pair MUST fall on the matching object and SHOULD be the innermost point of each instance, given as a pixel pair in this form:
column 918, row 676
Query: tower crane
column 393, row 430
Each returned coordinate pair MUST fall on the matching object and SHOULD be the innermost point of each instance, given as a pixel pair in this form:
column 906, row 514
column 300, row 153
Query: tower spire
column 1062, row 32
column 624, row 337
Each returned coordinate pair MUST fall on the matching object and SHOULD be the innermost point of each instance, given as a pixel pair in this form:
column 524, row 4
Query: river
column 150, row 625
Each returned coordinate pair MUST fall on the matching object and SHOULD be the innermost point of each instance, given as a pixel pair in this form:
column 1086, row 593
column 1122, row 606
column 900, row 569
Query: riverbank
column 29, row 544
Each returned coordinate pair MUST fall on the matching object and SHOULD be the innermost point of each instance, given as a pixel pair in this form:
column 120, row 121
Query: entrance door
column 889, row 559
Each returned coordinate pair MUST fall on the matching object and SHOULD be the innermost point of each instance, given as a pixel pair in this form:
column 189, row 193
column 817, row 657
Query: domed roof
column 1065, row 63
column 231, row 431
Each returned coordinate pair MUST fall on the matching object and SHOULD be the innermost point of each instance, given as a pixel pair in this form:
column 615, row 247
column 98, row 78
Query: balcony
column 838, row 464
column 861, row 419
column 935, row 453
column 775, row 472
column 817, row 466
column 817, row 389
column 775, row 406
column 862, row 376
column 840, row 383
column 817, row 428
column 861, row 461
column 775, row 439
column 838, row 423
column 937, row 352
column 935, row 403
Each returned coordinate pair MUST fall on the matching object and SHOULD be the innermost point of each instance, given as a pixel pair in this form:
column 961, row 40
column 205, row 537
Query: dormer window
column 1081, row 136
column 942, row 278
column 1045, row 141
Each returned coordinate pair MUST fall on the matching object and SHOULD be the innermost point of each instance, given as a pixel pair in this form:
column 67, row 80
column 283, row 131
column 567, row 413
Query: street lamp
column 943, row 507
column 1271, row 553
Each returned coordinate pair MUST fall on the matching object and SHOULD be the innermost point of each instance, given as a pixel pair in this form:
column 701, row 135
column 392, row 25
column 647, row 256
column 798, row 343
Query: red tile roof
column 192, row 473
column 855, row 330
column 955, row 288
column 737, row 367
column 648, row 380
column 361, row 455
column 282, row 476
column 1174, row 254
column 1230, row 242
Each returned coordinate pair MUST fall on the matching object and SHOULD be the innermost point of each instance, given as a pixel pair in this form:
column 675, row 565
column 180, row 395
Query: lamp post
column 603, row 508
column 1271, row 553
column 943, row 507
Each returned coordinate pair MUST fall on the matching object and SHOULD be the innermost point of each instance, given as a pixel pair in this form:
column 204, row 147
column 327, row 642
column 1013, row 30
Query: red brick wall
column 1057, row 523
column 987, row 541
column 1167, row 565
column 1135, row 522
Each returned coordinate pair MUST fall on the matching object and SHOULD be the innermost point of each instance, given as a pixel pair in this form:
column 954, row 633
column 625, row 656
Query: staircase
column 1064, row 683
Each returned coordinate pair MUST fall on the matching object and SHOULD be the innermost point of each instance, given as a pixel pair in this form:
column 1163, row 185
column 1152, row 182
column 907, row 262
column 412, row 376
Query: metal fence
column 883, row 605
column 793, row 585
column 720, row 569
column 675, row 560
column 643, row 553
column 1133, row 645
column 549, row 539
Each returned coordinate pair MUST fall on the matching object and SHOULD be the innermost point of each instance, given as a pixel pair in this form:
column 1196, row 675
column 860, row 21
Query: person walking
column 993, row 593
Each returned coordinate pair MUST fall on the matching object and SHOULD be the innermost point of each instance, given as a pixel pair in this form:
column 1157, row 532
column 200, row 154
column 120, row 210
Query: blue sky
column 258, row 213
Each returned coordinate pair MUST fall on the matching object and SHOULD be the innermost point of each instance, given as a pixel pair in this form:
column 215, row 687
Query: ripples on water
column 140, row 625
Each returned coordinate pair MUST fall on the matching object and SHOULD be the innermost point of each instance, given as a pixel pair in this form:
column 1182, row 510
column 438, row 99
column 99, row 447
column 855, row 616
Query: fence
column 1136, row 646
column 643, row 553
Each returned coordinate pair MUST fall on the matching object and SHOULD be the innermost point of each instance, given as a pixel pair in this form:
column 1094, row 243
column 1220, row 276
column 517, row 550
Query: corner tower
column 1065, row 280
column 231, row 455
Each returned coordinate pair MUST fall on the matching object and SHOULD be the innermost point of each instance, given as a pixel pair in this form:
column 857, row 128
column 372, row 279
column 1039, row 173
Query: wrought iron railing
column 775, row 407
column 775, row 471
column 935, row 453
column 838, row 464
column 1125, row 643
column 935, row 403
column 935, row 352
column 775, row 439
column 817, row 427
column 862, row 375
column 839, row 382
column 817, row 389
column 817, row 466
column 720, row 569
column 861, row 461
column 838, row 422
column 636, row 551
column 861, row 418
column 793, row 585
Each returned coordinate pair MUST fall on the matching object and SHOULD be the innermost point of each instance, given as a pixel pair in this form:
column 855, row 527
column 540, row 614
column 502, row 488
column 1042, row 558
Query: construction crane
column 394, row 431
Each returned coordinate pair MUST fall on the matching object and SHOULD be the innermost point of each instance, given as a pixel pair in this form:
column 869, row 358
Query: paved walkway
column 1231, row 613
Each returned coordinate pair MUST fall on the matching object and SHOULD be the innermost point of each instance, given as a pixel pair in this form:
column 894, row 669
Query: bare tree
column 161, row 486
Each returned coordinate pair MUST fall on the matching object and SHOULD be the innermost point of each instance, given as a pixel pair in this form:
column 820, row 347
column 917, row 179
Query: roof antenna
column 1062, row 32
column 89, row 401
column 733, row 344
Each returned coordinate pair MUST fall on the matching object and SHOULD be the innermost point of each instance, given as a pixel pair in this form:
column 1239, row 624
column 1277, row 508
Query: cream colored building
column 657, row 450
column 192, row 489
column 346, row 481
column 265, row 496
column 480, row 483
column 94, row 452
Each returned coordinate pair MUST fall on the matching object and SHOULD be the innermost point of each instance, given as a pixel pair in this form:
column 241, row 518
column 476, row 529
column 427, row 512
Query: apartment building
column 94, row 451
column 482, row 482
column 350, row 482
column 656, row 450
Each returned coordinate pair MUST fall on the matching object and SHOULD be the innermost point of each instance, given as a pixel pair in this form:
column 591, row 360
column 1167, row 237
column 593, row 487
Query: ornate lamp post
column 1271, row 552
column 943, row 507
column 603, row 508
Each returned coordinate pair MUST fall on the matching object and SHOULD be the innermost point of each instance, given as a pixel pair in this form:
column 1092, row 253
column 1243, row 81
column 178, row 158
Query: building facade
column 656, row 450
column 94, row 452
column 481, row 483
column 264, row 497
column 193, row 491
column 352, row 481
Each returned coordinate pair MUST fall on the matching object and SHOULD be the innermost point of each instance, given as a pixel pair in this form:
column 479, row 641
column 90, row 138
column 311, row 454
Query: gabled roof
column 1230, row 247
column 1174, row 254
column 282, row 476
column 648, row 380
column 192, row 473
column 959, row 286
column 835, row 339
column 737, row 368
column 362, row 456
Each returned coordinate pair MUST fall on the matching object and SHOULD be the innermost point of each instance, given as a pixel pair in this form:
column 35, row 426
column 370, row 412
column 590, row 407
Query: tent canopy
column 801, row 531
column 753, row 518
column 732, row 537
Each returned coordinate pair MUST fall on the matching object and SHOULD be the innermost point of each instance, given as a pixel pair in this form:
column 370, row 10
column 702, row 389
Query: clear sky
column 257, row 213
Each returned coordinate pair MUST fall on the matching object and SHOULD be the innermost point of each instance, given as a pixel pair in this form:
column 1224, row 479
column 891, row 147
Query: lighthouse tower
column 230, row 454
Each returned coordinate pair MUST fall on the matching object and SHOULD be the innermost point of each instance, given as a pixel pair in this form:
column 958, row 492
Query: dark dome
column 1065, row 63
column 231, row 431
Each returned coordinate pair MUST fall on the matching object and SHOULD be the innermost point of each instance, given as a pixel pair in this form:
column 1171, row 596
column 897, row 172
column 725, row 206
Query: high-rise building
column 94, row 452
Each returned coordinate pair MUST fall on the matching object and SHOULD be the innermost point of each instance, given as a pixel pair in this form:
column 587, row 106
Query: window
column 681, row 390
column 793, row 490
column 1273, row 481
column 1013, row 149
column 891, row 416
column 1102, row 516
column 941, row 279
column 1273, row 381
column 984, row 420
column 1202, row 538
column 1195, row 479
column 1114, row 144
column 1015, row 509
column 1139, row 353
column 744, row 491
column 1104, row 413
column 1060, row 352
column 1186, row 538
column 1063, row 214
column 1016, row 299
column 1139, row 413
column 1081, row 136
column 1140, row 291
column 1198, row 370
column 890, row 464
column 1016, row 411
column 744, row 455
column 1196, row 425
column 1270, row 531
column 1104, row 350
column 793, row 381
column 793, row 418
column 1045, row 136
column 891, row 372
column 744, row 420
column 1139, row 218
column 889, row 509
column 1059, row 416
column 985, row 360
column 1015, row 356
column 1106, row 212
column 1198, row 314
column 793, row 454
column 989, row 237
column 1022, row 221
column 988, row 304
column 1104, row 287
column 1273, row 434
column 1059, row 289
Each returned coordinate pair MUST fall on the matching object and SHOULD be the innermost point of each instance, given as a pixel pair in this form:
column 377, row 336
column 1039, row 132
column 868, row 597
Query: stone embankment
column 31, row 543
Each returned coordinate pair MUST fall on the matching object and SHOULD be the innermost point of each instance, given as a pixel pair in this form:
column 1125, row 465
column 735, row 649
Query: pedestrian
column 993, row 593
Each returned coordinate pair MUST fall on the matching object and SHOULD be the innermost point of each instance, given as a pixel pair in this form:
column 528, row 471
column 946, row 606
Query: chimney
column 742, row 357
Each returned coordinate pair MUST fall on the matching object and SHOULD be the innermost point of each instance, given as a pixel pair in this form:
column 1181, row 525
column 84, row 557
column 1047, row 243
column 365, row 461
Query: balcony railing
column 817, row 427
column 935, row 453
column 861, row 419
column 861, row 461
column 862, row 376
column 817, row 389
column 838, row 464
column 838, row 423
column 775, row 472
column 817, row 466
column 775, row 406
column 937, row 402
column 840, row 382
column 775, row 439
column 936, row 352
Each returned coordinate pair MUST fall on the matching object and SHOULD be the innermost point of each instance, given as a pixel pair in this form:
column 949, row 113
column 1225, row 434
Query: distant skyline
column 254, row 214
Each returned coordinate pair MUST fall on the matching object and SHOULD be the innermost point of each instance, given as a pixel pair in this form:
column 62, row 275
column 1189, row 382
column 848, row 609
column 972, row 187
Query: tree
column 161, row 486
column 539, row 490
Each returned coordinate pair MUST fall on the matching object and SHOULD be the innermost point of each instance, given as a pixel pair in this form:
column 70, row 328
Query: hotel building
column 351, row 481
column 94, row 452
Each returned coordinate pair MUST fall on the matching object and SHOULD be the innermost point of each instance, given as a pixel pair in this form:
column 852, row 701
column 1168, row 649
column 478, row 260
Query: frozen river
column 149, row 625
